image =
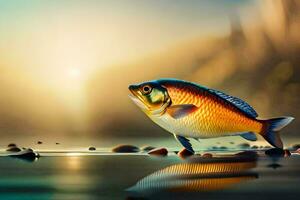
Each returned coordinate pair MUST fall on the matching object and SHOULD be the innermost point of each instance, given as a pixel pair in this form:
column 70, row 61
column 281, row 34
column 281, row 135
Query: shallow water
column 139, row 176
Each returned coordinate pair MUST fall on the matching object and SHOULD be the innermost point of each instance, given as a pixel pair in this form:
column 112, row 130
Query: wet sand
column 104, row 175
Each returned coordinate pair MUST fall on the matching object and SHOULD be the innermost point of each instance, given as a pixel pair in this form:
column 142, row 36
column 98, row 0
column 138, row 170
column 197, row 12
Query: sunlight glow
column 74, row 154
column 73, row 162
column 74, row 73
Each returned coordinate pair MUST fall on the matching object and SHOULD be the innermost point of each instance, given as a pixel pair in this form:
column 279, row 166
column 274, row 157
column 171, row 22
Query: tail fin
column 272, row 127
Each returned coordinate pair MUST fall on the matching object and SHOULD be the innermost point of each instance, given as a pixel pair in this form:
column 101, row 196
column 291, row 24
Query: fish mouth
column 136, row 98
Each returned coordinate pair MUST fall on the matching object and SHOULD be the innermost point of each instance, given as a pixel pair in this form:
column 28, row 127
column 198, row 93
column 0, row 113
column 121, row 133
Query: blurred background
column 65, row 65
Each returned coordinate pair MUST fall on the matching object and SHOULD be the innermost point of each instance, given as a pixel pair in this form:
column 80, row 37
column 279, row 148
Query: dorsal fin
column 240, row 104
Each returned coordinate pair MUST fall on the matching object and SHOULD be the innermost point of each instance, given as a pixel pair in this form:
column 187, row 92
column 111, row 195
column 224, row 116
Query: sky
column 62, row 42
column 61, row 38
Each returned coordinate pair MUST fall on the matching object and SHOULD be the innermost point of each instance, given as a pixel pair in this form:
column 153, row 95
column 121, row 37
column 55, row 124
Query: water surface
column 139, row 176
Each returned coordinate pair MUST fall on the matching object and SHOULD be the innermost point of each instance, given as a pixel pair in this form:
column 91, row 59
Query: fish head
column 151, row 97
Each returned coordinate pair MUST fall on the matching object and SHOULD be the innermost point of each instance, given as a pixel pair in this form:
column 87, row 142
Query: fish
column 189, row 110
column 202, row 175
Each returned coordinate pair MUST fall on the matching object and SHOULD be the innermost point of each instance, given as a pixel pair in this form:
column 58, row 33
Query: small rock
column 275, row 152
column 92, row 148
column 27, row 154
column 287, row 153
column 57, row 143
column 244, row 146
column 184, row 153
column 13, row 149
column 11, row 145
column 39, row 142
column 125, row 149
column 147, row 148
column 254, row 147
column 207, row 155
column 158, row 152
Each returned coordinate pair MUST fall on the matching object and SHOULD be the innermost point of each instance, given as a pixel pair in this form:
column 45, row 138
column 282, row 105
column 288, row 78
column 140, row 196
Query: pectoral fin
column 185, row 142
column 249, row 136
column 179, row 111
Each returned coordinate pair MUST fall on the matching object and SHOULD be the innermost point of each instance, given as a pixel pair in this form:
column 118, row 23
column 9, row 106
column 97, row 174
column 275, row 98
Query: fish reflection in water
column 198, row 175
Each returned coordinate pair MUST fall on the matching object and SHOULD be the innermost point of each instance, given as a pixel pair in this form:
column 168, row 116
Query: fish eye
column 146, row 89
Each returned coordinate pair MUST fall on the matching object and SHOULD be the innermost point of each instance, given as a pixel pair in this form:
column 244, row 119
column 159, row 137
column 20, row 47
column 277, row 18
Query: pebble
column 184, row 153
column 125, row 148
column 147, row 148
column 275, row 152
column 207, row 155
column 39, row 142
column 27, row 154
column 158, row 152
column 11, row 145
column 57, row 143
column 13, row 149
column 92, row 148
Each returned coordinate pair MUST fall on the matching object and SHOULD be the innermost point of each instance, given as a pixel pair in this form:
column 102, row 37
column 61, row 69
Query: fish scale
column 213, row 118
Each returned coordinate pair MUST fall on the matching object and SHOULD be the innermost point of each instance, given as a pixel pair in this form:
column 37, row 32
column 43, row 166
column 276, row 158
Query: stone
column 13, row 149
column 158, row 152
column 92, row 148
column 184, row 153
column 11, row 145
column 27, row 154
column 207, row 155
column 39, row 142
column 125, row 148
